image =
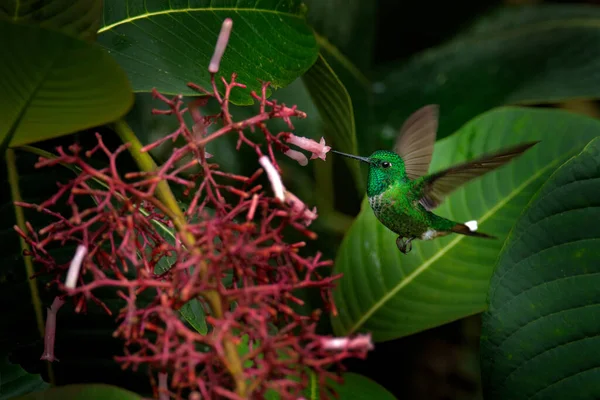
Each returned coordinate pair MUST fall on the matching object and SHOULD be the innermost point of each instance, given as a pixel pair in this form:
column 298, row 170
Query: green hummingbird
column 401, row 192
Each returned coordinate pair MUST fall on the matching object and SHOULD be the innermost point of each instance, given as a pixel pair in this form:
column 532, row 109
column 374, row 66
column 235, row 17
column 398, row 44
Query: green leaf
column 347, row 89
column 335, row 107
column 358, row 387
column 53, row 84
column 80, row 18
column 92, row 391
column 15, row 381
column 191, row 311
column 166, row 44
column 392, row 294
column 540, row 336
column 517, row 55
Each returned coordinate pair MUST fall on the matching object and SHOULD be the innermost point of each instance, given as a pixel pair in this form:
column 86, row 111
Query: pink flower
column 318, row 150
column 199, row 130
column 298, row 206
column 360, row 342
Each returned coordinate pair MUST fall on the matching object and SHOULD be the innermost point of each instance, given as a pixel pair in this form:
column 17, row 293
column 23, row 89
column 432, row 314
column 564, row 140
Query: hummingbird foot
column 404, row 245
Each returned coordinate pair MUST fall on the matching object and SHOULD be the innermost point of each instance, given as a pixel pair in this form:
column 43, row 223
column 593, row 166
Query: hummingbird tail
column 470, row 229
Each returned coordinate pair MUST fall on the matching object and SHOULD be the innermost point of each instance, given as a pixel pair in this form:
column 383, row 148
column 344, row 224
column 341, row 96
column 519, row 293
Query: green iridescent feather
column 401, row 192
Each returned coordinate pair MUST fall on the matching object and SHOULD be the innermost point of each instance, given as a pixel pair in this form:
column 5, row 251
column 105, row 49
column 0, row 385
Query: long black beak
column 363, row 159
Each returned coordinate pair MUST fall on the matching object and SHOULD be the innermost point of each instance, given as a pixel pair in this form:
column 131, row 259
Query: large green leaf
column 335, row 107
column 166, row 44
column 93, row 391
column 54, row 84
column 15, row 381
column 77, row 17
column 391, row 294
column 541, row 333
column 529, row 54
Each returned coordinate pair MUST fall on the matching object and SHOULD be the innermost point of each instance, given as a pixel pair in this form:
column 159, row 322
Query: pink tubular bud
column 163, row 389
column 215, row 61
column 296, row 155
column 274, row 177
column 360, row 342
column 318, row 149
column 50, row 331
column 75, row 267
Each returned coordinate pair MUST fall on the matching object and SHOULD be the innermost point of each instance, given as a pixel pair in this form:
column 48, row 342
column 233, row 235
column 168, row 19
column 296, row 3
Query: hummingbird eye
column 386, row 164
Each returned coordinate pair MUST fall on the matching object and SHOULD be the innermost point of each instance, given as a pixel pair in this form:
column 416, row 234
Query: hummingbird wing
column 416, row 140
column 439, row 185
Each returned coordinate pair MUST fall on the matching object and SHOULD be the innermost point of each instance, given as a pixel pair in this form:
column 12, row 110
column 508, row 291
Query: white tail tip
column 472, row 225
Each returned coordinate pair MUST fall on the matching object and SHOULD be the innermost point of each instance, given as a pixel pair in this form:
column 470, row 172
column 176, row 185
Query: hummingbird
column 402, row 194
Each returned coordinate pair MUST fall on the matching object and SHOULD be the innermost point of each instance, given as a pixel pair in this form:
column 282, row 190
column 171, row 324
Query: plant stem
column 165, row 195
column 13, row 180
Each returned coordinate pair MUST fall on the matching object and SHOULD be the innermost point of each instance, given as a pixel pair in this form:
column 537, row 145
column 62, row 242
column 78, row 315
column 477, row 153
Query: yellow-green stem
column 146, row 163
column 13, row 180
column 165, row 195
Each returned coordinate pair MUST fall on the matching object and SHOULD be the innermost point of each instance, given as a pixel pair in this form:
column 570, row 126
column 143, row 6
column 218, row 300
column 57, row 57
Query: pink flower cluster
column 227, row 251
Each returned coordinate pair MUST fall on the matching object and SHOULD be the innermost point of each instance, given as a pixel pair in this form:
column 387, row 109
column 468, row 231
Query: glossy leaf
column 92, row 391
column 392, row 294
column 53, row 84
column 335, row 107
column 166, row 44
column 526, row 54
column 541, row 336
column 77, row 17
column 16, row 381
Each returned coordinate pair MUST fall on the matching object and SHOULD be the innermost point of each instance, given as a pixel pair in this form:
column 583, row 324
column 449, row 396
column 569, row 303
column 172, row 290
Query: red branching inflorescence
column 227, row 250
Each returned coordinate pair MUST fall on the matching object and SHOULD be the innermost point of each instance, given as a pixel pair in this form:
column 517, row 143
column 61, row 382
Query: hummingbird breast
column 396, row 211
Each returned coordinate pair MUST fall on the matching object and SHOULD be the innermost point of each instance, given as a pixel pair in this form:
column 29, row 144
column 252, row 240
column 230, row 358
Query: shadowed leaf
column 92, row 391
column 80, row 18
column 335, row 107
column 358, row 387
column 15, row 381
column 53, row 84
column 541, row 336
column 526, row 54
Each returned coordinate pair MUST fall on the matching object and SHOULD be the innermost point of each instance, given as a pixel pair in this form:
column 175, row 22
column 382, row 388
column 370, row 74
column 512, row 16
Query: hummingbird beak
column 363, row 159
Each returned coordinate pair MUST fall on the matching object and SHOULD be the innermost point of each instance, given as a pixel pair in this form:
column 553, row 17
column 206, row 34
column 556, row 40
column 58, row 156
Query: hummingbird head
column 385, row 168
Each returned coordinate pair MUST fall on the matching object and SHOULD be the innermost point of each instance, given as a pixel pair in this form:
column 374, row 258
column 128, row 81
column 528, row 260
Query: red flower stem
column 168, row 205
